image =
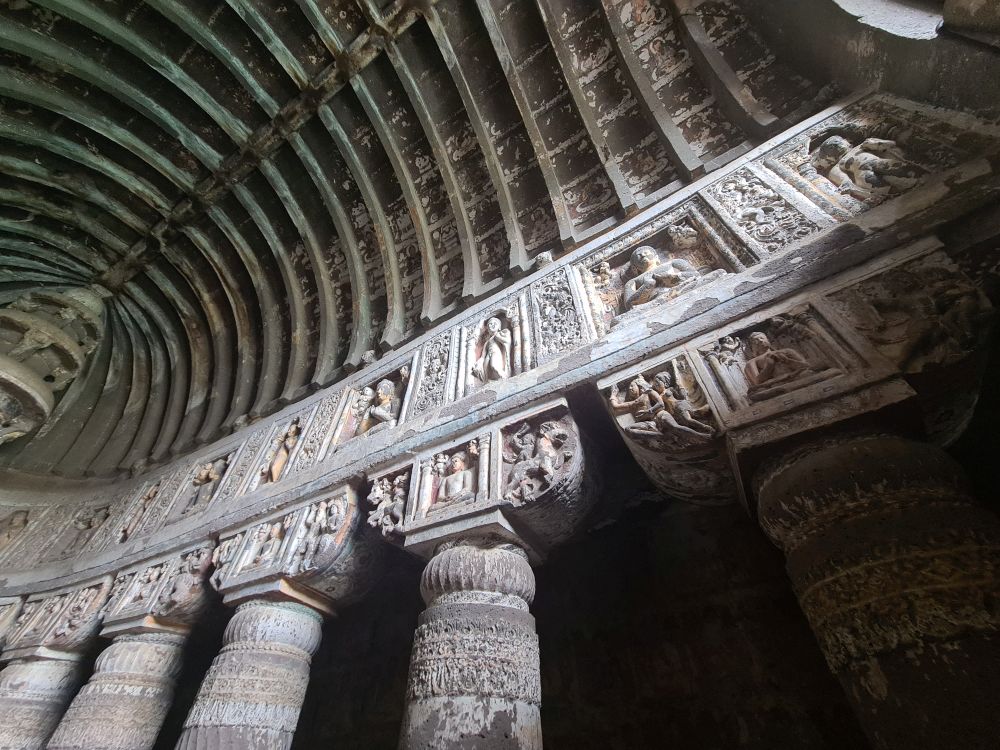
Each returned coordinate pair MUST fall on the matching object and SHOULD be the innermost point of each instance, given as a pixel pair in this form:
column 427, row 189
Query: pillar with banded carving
column 124, row 703
column 474, row 671
column 34, row 694
column 898, row 571
column 253, row 692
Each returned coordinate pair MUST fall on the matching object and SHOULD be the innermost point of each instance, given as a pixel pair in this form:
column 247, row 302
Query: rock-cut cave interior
column 473, row 374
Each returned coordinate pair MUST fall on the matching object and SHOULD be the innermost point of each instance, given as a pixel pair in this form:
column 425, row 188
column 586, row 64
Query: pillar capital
column 519, row 480
column 318, row 555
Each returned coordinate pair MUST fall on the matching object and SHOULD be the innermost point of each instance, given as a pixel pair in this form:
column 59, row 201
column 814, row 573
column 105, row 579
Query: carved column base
column 898, row 572
column 33, row 696
column 253, row 692
column 125, row 701
column 474, row 674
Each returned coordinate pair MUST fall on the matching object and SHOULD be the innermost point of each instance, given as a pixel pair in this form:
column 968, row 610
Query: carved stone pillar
column 474, row 674
column 45, row 649
column 898, row 571
column 127, row 698
column 253, row 692
column 33, row 695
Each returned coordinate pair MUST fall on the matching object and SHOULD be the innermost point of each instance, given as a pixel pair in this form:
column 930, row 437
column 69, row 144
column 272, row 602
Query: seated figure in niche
column 271, row 545
column 494, row 362
column 383, row 411
column 458, row 485
column 768, row 367
column 875, row 167
column 649, row 278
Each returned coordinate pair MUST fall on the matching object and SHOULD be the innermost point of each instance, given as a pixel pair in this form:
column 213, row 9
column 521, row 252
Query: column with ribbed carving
column 898, row 571
column 126, row 699
column 474, row 672
column 33, row 696
column 253, row 692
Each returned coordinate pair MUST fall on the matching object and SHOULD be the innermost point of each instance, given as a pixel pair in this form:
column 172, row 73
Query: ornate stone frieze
column 322, row 547
column 60, row 622
column 438, row 372
column 680, row 252
column 495, row 347
column 316, row 440
column 529, row 467
column 557, row 316
column 199, row 487
column 671, row 430
column 168, row 594
column 10, row 608
column 379, row 406
column 919, row 315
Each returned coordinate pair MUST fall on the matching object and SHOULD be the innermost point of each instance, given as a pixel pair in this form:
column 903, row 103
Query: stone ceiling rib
column 273, row 195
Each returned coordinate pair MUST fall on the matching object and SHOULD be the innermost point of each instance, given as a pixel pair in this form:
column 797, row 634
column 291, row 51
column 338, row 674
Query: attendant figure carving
column 86, row 523
column 649, row 277
column 284, row 445
column 875, row 167
column 494, row 362
column 134, row 519
column 322, row 521
column 205, row 482
column 536, row 461
column 383, row 412
column 389, row 498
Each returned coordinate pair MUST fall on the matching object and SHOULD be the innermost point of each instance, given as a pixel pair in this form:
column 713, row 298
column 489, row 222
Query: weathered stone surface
column 253, row 691
column 898, row 571
column 474, row 674
column 124, row 702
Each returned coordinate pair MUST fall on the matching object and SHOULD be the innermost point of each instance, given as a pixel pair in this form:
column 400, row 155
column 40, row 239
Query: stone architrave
column 898, row 571
column 283, row 575
column 149, row 615
column 44, row 651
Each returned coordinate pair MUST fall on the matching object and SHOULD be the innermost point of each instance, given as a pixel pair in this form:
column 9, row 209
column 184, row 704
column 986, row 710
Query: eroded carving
column 388, row 495
column 284, row 444
column 204, row 484
column 871, row 168
column 12, row 526
column 133, row 519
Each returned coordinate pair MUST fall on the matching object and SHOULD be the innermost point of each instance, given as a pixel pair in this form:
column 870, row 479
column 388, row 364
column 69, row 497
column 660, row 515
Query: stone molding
column 740, row 212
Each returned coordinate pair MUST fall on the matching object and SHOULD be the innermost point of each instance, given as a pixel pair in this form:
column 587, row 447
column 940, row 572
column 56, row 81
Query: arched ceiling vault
column 265, row 191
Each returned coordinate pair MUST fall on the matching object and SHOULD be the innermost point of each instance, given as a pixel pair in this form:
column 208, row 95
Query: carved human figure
column 284, row 444
column 145, row 588
column 389, row 498
column 875, row 167
column 531, row 475
column 641, row 402
column 494, row 362
column 223, row 555
column 272, row 536
column 134, row 519
column 459, row 484
column 86, row 523
column 205, row 482
column 383, row 412
column 678, row 412
column 649, row 277
column 12, row 526
column 322, row 520
column 767, row 367
column 184, row 597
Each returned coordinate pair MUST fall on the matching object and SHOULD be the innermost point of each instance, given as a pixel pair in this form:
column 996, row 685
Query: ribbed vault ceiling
column 268, row 190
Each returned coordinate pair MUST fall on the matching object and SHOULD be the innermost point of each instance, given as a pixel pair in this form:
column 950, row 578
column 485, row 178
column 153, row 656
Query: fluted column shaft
column 898, row 572
column 126, row 699
column 33, row 695
column 474, row 675
column 252, row 695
